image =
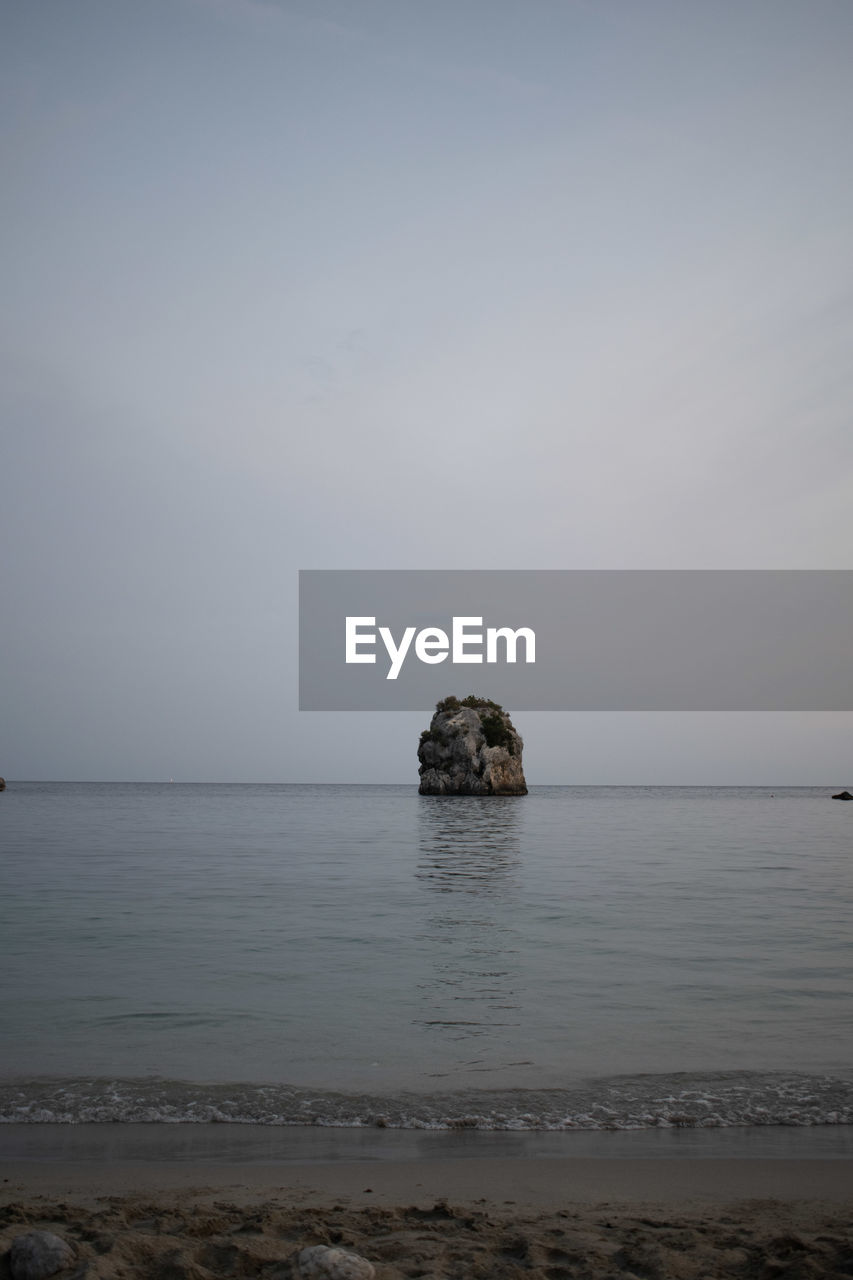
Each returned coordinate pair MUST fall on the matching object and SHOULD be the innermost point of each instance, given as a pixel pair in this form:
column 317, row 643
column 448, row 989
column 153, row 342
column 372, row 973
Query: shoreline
column 246, row 1144
column 371, row 1166
column 158, row 1202
column 535, row 1184
column 516, row 1219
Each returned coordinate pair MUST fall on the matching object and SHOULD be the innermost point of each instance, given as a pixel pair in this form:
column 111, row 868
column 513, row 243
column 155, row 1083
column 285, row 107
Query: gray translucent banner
column 583, row 640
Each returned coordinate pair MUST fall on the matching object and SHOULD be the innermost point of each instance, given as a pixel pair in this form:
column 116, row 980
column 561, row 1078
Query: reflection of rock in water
column 474, row 847
column 469, row 854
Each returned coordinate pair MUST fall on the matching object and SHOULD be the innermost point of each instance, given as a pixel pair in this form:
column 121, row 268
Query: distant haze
column 548, row 284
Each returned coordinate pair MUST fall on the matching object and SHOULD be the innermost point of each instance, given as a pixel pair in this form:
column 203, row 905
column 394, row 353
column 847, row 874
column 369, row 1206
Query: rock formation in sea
column 843, row 795
column 471, row 749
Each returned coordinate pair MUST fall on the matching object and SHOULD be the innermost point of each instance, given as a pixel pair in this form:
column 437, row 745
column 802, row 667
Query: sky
column 376, row 284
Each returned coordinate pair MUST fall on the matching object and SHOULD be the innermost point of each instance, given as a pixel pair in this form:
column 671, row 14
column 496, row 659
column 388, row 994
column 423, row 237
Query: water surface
column 588, row 956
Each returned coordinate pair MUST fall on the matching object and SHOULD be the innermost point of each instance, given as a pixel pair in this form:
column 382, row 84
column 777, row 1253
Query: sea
column 580, row 958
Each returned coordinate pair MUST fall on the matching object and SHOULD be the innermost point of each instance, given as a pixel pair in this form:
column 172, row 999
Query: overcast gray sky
column 382, row 284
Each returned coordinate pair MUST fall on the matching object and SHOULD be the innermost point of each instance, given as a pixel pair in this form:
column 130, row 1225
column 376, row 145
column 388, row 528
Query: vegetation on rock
column 470, row 748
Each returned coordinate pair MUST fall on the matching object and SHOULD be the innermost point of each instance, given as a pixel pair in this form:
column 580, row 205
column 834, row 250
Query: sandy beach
column 546, row 1217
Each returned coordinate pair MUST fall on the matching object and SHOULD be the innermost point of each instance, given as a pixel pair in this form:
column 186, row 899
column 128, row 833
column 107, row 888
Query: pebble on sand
column 39, row 1254
column 320, row 1262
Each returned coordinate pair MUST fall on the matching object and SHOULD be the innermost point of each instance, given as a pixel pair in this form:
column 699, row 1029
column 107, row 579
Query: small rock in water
column 843, row 795
column 37, row 1255
column 319, row 1262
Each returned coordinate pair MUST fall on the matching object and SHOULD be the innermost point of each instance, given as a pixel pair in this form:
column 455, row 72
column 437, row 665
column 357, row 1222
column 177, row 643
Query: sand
column 452, row 1213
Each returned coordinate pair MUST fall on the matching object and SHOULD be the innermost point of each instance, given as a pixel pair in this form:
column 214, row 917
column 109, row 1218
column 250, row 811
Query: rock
column 2, row 784
column 843, row 795
column 319, row 1262
column 471, row 749
column 39, row 1254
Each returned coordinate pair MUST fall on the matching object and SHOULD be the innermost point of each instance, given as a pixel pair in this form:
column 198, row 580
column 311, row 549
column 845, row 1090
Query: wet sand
column 432, row 1205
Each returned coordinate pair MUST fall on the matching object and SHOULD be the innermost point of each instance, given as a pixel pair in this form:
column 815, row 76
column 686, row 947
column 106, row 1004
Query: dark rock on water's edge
column 2, row 784
column 471, row 749
column 843, row 795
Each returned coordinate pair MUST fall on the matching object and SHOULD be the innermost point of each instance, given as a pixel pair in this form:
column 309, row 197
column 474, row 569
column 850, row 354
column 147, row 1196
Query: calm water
column 580, row 957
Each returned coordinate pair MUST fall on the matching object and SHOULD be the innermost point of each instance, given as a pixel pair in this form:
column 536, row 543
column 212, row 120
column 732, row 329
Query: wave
column 687, row 1101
